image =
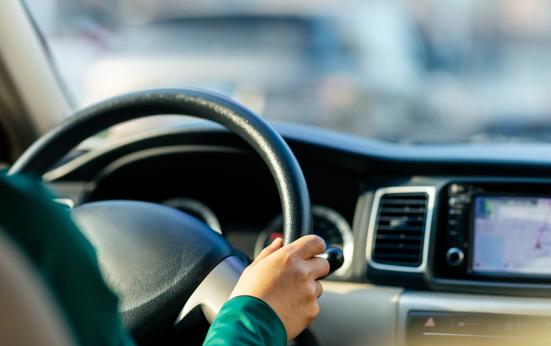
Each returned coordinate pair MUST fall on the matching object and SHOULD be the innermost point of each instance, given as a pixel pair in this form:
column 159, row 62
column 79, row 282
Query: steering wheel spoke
column 214, row 290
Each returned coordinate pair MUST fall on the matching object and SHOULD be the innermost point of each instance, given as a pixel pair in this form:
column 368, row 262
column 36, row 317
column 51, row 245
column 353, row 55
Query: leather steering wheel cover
column 271, row 147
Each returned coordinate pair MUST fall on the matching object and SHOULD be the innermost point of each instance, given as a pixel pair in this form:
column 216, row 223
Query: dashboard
column 473, row 234
column 329, row 224
column 432, row 235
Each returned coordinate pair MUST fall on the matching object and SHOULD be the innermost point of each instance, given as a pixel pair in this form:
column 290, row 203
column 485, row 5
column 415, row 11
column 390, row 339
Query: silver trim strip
column 430, row 191
column 480, row 336
column 66, row 202
column 214, row 290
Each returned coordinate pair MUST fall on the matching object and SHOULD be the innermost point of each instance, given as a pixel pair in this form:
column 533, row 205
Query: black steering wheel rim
column 271, row 147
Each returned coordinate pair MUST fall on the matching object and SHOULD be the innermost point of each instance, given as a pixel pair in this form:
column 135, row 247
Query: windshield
column 416, row 71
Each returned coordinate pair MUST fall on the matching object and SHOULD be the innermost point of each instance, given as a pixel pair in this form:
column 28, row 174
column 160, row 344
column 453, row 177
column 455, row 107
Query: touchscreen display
column 512, row 235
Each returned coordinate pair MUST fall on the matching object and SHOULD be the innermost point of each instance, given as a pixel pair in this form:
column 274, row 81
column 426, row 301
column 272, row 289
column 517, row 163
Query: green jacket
column 67, row 262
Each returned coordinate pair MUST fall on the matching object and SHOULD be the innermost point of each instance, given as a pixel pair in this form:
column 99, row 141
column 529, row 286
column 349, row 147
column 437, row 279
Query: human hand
column 286, row 278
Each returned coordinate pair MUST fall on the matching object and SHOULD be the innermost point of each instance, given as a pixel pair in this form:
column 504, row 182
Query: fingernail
column 276, row 241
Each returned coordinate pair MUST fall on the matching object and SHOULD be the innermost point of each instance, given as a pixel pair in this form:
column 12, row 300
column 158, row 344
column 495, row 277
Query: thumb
column 270, row 249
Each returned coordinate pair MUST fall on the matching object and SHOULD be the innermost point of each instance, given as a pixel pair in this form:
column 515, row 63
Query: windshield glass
column 416, row 71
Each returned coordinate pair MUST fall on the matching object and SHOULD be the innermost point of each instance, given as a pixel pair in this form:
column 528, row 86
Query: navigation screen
column 512, row 235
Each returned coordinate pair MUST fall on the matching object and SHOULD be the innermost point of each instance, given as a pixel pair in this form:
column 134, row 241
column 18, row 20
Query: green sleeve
column 246, row 321
column 66, row 261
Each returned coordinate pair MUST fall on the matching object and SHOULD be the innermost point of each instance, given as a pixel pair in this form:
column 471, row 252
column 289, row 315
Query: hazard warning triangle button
column 430, row 323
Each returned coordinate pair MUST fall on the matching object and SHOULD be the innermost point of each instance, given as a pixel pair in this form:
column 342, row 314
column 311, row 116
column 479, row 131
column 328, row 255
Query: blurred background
column 413, row 71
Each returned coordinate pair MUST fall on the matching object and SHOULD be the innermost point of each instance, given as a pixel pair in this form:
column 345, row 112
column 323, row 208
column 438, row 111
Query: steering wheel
column 163, row 263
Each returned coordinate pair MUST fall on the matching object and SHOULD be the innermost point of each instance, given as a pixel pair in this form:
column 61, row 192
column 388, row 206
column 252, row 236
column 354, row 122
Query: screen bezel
column 497, row 274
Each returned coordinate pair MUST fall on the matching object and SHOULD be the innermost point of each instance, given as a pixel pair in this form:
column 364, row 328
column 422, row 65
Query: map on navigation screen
column 512, row 235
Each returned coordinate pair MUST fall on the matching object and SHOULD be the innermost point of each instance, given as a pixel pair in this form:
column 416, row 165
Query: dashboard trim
column 431, row 196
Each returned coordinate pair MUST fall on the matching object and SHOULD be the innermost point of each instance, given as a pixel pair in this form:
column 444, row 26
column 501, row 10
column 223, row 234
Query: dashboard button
column 456, row 188
column 427, row 322
column 455, row 237
column 455, row 256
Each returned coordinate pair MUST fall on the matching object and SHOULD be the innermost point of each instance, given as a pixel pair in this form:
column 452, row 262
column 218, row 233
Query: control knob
column 455, row 256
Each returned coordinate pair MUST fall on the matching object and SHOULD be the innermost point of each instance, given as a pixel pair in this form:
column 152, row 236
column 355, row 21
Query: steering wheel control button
column 455, row 256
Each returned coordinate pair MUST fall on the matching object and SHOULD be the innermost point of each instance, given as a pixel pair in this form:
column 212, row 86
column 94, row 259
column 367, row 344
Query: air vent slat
column 399, row 237
column 400, row 202
column 402, row 212
column 399, row 246
column 404, row 218
column 396, row 256
column 400, row 229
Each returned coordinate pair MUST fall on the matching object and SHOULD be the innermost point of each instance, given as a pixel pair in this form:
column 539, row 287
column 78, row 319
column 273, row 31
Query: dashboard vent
column 399, row 229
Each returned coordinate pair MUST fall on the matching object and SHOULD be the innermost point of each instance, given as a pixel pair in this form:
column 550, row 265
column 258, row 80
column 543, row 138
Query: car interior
column 436, row 235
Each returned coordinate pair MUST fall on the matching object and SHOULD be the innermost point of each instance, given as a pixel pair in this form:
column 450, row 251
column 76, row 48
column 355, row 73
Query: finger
column 270, row 249
column 319, row 289
column 318, row 267
column 308, row 246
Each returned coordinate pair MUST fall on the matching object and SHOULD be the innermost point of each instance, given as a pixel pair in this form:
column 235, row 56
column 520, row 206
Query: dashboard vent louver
column 400, row 229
